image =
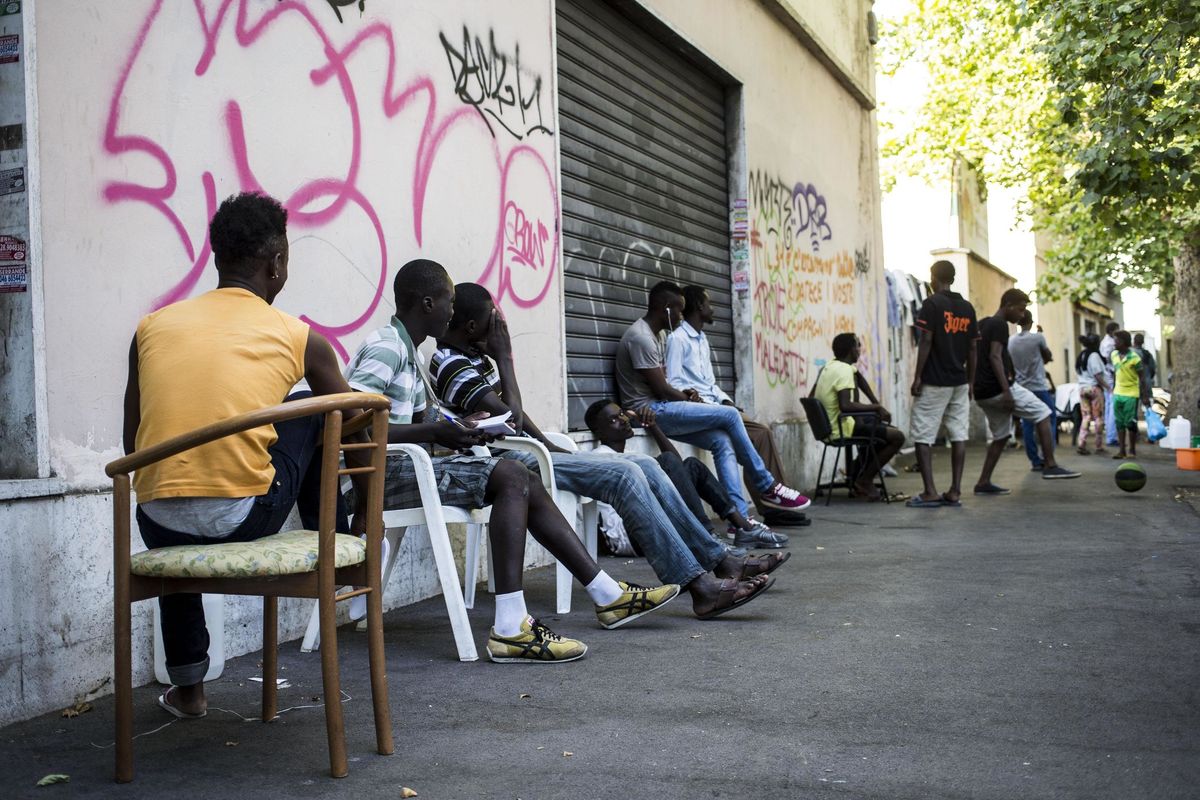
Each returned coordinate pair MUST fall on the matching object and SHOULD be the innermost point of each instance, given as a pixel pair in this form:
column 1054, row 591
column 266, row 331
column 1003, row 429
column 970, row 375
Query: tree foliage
column 1090, row 107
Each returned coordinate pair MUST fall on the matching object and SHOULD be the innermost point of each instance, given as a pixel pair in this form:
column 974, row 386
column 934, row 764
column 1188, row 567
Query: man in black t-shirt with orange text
column 942, row 384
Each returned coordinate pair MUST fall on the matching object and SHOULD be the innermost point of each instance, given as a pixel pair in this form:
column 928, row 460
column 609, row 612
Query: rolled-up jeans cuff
column 684, row 578
column 188, row 674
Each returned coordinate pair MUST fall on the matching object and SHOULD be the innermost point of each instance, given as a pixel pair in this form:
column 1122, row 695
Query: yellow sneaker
column 534, row 643
column 635, row 601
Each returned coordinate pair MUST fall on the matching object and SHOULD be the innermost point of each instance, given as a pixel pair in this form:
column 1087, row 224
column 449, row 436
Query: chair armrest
column 561, row 440
column 418, row 454
column 309, row 406
column 526, row 444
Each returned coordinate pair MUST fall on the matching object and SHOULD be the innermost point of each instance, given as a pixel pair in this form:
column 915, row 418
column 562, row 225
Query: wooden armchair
column 288, row 564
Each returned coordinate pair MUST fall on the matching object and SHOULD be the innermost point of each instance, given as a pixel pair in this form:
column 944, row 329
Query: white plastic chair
column 433, row 516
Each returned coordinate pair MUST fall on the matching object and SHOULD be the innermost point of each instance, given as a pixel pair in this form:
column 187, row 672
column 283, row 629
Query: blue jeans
column 1029, row 429
column 720, row 430
column 678, row 548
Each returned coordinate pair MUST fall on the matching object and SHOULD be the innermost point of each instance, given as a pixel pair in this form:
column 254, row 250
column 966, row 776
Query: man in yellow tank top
column 198, row 361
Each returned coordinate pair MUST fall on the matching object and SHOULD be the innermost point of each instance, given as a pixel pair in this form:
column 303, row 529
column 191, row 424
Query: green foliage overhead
column 1090, row 107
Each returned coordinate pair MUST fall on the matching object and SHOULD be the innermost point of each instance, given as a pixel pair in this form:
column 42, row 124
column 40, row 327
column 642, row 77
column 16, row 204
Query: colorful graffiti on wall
column 805, row 290
column 521, row 232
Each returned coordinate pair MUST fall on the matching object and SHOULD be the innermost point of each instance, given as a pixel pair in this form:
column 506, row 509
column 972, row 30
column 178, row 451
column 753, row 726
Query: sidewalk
column 1040, row 645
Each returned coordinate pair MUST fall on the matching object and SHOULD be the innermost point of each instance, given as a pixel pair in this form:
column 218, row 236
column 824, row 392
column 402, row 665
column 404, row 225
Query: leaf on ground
column 697, row 635
column 77, row 709
column 407, row 792
column 525, row 695
column 567, row 754
column 52, row 779
column 231, row 743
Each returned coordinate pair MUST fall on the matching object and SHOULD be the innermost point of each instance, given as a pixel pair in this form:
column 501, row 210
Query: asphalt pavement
column 1040, row 645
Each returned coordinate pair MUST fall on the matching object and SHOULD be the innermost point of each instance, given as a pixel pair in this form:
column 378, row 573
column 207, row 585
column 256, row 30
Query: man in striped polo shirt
column 387, row 362
column 679, row 549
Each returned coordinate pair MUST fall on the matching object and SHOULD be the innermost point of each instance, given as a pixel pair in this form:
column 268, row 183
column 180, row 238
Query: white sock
column 510, row 613
column 603, row 589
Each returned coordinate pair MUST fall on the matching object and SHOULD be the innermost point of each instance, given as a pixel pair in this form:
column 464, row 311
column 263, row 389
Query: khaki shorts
column 1026, row 405
column 938, row 404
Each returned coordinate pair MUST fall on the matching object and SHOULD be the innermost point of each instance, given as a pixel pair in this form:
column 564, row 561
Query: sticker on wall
column 10, row 48
column 14, row 274
column 13, row 7
column 741, row 281
column 12, row 181
column 13, row 278
column 12, row 248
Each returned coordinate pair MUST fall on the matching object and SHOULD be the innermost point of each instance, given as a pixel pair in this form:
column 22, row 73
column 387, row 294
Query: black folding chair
column 822, row 431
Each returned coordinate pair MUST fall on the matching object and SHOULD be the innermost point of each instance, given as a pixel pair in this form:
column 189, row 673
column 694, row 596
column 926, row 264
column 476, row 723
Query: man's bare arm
column 924, row 346
column 972, row 365
column 656, row 377
column 325, row 377
column 133, row 401
column 996, row 359
column 865, row 387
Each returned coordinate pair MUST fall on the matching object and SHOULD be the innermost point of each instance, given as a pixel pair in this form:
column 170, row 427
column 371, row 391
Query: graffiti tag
column 495, row 85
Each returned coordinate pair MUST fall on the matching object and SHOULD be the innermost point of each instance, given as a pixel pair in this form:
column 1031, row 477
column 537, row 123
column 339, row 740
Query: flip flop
column 920, row 502
column 992, row 488
column 165, row 705
column 729, row 587
column 773, row 560
column 946, row 501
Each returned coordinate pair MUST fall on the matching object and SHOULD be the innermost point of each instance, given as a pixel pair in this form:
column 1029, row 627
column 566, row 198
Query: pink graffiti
column 523, row 243
column 522, row 277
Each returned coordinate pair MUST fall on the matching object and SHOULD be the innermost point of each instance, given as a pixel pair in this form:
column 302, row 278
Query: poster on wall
column 12, row 181
column 10, row 48
column 12, row 7
column 14, row 273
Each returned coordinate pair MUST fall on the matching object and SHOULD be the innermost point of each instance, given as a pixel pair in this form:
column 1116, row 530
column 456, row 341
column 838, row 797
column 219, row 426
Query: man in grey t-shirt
column 683, row 414
column 641, row 348
column 1029, row 353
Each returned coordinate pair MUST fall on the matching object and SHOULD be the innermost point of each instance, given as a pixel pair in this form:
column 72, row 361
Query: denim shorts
column 461, row 481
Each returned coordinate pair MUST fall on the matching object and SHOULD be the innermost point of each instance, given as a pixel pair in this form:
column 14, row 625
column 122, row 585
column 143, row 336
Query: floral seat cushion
column 287, row 553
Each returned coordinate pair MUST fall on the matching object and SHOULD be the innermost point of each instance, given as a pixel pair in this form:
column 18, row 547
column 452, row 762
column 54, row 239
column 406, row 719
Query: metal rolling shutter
column 644, row 183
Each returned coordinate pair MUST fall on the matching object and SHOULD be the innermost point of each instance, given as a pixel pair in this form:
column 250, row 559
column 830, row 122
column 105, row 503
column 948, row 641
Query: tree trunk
column 1185, row 382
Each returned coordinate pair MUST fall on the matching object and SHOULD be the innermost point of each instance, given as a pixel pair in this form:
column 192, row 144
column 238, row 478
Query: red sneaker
column 785, row 498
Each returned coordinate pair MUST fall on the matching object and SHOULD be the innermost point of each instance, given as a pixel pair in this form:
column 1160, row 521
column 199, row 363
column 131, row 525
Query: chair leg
column 564, row 580
column 591, row 528
column 471, row 565
column 123, row 680
column 443, row 557
column 821, row 469
column 312, row 634
column 837, row 456
column 270, row 690
column 379, row 686
column 331, row 681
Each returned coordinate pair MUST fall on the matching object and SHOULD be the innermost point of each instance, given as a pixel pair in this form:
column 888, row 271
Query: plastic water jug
column 1179, row 433
column 214, row 620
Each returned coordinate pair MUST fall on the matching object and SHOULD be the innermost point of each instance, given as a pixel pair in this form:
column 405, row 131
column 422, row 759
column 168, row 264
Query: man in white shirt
column 689, row 366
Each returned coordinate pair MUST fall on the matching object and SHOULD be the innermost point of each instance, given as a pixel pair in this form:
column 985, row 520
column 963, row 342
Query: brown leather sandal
column 727, row 599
